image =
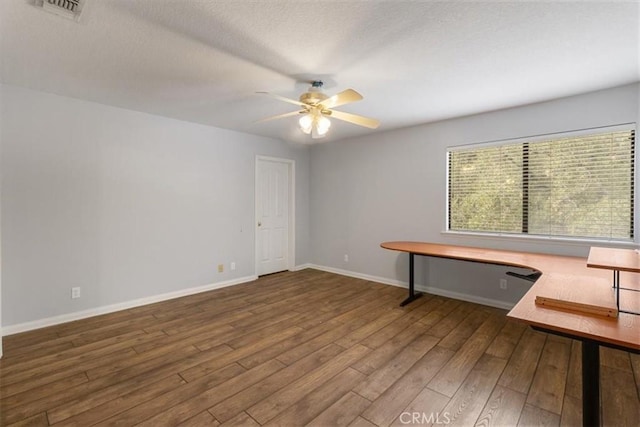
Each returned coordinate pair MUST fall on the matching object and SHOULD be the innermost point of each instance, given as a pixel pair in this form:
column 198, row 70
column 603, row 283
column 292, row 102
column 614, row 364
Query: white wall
column 123, row 204
column 392, row 186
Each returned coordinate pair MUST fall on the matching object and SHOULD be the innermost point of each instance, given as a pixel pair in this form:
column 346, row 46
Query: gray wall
column 392, row 186
column 123, row 204
column 129, row 205
column 1, row 121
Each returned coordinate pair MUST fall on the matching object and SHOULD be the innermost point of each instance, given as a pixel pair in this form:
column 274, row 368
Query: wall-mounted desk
column 622, row 332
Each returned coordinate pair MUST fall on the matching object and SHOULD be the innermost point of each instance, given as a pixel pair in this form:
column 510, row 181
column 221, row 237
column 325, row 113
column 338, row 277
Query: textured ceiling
column 413, row 61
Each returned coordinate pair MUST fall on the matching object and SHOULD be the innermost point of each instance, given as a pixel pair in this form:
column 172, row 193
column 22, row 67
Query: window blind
column 566, row 186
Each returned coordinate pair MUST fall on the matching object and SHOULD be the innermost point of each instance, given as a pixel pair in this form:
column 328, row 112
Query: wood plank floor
column 305, row 348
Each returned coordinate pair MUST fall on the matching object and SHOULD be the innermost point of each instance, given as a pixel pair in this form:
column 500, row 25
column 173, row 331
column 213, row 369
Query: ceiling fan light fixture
column 316, row 135
column 315, row 124
column 315, row 109
column 306, row 123
column 322, row 125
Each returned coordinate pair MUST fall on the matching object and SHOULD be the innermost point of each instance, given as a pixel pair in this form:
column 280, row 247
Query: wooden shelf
column 614, row 259
column 627, row 286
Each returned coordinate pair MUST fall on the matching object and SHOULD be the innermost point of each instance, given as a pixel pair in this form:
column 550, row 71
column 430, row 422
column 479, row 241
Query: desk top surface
column 623, row 331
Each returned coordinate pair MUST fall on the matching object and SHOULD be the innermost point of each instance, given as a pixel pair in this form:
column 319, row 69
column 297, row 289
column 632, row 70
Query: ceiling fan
column 317, row 107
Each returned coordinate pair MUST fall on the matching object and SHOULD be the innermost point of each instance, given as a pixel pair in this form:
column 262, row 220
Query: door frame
column 291, row 226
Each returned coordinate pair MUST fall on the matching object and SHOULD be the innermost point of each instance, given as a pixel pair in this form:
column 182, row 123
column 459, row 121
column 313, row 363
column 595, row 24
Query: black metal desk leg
column 590, row 383
column 413, row 295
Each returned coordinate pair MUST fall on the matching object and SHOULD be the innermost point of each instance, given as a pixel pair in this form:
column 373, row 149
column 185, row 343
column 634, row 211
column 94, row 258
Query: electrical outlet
column 233, row 266
column 346, row 258
column 503, row 283
column 75, row 293
column 220, row 268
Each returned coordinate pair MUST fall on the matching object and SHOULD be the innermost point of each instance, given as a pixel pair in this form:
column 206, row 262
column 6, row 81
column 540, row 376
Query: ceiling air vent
column 70, row 9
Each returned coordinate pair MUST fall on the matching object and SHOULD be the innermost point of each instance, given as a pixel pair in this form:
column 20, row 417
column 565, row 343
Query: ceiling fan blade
column 280, row 116
column 355, row 119
column 282, row 98
column 345, row 97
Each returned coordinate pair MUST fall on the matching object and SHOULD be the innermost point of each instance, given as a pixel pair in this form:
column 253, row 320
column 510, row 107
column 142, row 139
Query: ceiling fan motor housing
column 314, row 95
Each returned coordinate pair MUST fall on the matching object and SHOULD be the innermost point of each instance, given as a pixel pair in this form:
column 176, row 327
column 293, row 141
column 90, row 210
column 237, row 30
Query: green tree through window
column 564, row 186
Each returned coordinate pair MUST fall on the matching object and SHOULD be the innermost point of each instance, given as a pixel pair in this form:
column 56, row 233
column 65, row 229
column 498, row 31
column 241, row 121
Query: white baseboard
column 505, row 305
column 362, row 276
column 56, row 320
column 302, row 267
column 428, row 289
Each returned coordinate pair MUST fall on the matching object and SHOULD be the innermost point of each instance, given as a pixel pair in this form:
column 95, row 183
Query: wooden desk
column 622, row 332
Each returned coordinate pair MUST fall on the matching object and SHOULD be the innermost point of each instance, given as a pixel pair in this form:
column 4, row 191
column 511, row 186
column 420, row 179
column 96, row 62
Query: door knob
column 259, row 224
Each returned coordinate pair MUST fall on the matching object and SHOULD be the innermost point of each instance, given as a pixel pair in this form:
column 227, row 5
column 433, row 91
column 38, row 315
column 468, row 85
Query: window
column 578, row 186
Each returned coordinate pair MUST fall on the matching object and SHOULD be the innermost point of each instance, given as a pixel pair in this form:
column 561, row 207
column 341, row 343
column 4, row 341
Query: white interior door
column 272, row 216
